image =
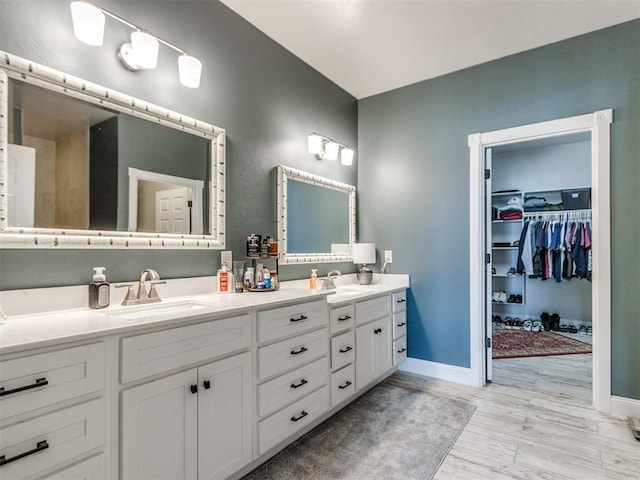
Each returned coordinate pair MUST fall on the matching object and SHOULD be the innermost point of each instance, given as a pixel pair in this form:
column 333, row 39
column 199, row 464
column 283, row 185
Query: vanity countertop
column 27, row 324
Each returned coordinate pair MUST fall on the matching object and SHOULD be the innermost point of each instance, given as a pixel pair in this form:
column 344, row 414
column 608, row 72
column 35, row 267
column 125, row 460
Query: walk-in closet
column 539, row 226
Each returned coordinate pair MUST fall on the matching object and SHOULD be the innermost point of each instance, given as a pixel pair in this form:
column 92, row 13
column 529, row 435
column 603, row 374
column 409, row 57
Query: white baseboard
column 625, row 407
column 442, row 371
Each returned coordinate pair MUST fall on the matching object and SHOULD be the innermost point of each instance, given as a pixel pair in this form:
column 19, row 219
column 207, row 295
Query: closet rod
column 570, row 214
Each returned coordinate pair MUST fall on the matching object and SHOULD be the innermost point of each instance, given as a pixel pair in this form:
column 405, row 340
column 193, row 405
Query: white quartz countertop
column 27, row 323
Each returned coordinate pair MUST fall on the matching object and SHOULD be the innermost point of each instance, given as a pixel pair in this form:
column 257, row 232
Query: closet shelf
column 504, row 248
column 507, row 221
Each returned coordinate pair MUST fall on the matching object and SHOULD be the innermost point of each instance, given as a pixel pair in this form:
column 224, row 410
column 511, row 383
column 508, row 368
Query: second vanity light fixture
column 141, row 53
column 326, row 148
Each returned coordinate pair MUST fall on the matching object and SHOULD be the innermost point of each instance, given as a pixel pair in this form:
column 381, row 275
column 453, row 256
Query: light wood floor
column 535, row 422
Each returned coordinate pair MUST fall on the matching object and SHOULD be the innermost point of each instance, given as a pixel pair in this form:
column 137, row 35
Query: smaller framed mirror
column 316, row 218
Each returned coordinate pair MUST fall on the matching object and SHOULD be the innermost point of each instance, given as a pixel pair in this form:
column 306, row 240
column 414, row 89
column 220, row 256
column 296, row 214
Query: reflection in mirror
column 81, row 158
column 316, row 217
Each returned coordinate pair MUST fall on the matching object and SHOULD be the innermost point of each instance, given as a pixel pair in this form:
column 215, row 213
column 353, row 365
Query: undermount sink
column 157, row 309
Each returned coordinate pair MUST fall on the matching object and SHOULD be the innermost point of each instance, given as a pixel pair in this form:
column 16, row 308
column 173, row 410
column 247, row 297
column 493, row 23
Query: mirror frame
column 12, row 66
column 288, row 173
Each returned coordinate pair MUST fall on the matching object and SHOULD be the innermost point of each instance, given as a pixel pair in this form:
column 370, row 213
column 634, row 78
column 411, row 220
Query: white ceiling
column 372, row 46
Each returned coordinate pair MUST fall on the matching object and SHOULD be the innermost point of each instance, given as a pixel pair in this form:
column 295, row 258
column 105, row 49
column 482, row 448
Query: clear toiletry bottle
column 248, row 278
column 225, row 279
column 259, row 281
column 99, row 292
column 313, row 281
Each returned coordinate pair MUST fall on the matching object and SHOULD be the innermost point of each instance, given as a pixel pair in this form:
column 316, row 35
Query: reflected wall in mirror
column 316, row 217
column 84, row 163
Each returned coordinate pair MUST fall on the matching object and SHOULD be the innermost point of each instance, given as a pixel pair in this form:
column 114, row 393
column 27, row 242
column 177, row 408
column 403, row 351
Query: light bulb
column 314, row 142
column 189, row 70
column 145, row 49
column 331, row 150
column 346, row 156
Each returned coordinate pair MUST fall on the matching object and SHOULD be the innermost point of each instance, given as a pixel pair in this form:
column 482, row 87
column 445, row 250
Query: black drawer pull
column 301, row 317
column 194, row 388
column 302, row 415
column 206, row 384
column 402, row 350
column 401, row 324
column 298, row 352
column 377, row 331
column 347, row 384
column 345, row 350
column 297, row 385
column 40, row 382
column 401, row 300
column 346, row 317
column 42, row 445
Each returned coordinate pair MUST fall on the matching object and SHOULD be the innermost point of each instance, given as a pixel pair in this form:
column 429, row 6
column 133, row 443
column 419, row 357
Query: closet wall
column 561, row 163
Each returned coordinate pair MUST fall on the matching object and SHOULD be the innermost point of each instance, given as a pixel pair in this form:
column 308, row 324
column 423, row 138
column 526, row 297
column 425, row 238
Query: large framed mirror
column 83, row 166
column 316, row 218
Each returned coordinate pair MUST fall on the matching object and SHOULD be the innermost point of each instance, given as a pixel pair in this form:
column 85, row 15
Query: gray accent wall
column 267, row 99
column 413, row 178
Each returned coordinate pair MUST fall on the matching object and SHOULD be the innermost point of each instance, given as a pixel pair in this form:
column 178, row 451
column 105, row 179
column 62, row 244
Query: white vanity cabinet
column 399, row 325
column 194, row 423
column 373, row 339
column 293, row 370
column 53, row 413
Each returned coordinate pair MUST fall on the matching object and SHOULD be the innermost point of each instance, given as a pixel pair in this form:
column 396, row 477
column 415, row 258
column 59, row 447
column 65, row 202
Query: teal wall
column 267, row 100
column 413, row 178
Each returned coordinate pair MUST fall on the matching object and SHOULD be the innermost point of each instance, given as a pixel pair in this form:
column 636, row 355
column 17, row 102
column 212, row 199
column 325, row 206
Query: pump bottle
column 313, row 280
column 99, row 292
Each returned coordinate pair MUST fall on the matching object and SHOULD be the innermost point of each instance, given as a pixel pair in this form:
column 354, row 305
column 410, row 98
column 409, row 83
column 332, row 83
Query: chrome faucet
column 143, row 296
column 329, row 283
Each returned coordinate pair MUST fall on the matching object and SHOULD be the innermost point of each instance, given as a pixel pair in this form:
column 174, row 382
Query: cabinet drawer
column 291, row 419
column 343, row 350
column 399, row 324
column 292, row 353
column 286, row 321
column 40, row 380
column 399, row 350
column 53, row 438
column 286, row 389
column 157, row 352
column 343, row 384
column 90, row 469
column 341, row 318
column 373, row 309
column 399, row 301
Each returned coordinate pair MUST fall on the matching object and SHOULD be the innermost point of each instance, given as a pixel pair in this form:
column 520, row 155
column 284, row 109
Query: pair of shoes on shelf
column 499, row 297
column 514, row 298
column 572, row 329
column 513, row 323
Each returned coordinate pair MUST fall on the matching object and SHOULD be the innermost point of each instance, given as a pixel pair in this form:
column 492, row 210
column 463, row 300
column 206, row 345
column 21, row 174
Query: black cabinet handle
column 297, row 385
column 300, row 417
column 377, row 331
column 402, row 350
column 345, row 350
column 42, row 445
column 347, row 384
column 40, row 382
column 206, row 384
column 194, row 388
column 297, row 352
column 401, row 300
column 401, row 324
column 346, row 317
column 301, row 317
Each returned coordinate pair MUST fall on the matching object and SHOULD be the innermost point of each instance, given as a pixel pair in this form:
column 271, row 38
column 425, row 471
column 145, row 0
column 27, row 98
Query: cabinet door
column 373, row 351
column 160, row 429
column 224, row 417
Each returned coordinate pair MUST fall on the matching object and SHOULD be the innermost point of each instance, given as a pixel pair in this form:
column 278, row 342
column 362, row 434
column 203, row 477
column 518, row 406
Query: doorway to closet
column 567, row 139
column 539, row 232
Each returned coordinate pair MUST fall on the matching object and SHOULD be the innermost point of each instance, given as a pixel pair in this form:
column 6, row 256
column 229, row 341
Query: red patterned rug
column 517, row 343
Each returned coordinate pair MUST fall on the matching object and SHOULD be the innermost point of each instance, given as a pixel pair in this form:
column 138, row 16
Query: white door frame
column 598, row 124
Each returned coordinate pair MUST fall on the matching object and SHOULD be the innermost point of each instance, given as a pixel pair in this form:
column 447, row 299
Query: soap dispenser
column 225, row 279
column 313, row 280
column 99, row 291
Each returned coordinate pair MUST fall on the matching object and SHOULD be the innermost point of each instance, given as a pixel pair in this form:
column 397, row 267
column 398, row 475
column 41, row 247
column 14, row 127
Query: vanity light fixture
column 325, row 148
column 139, row 54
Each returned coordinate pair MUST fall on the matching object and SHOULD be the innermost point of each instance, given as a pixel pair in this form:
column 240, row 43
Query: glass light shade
column 314, row 143
column 364, row 253
column 88, row 23
column 346, row 156
column 189, row 71
column 331, row 150
column 145, row 49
